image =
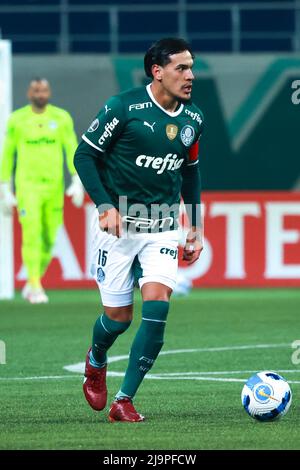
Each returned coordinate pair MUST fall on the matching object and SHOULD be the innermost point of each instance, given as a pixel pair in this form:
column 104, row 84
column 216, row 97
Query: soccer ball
column 266, row 396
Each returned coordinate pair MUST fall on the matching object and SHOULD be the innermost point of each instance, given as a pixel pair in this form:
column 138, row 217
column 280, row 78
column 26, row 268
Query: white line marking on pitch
column 177, row 376
column 79, row 367
column 42, row 377
column 205, row 375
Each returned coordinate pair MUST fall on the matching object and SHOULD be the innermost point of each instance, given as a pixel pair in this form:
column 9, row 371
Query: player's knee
column 122, row 327
column 112, row 327
column 119, row 314
column 156, row 292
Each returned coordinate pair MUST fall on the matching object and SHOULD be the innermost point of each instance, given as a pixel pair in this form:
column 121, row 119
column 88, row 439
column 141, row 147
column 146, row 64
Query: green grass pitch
column 214, row 340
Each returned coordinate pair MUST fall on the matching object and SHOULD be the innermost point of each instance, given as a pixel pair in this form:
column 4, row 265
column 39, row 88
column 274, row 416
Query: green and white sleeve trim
column 193, row 163
column 84, row 137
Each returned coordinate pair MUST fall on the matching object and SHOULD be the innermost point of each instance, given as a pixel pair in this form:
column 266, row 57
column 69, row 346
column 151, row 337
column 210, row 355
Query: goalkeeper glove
column 76, row 191
column 7, row 198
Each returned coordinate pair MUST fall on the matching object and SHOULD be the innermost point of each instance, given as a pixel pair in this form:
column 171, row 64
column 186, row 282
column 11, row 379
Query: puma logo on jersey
column 169, row 162
column 149, row 125
column 107, row 109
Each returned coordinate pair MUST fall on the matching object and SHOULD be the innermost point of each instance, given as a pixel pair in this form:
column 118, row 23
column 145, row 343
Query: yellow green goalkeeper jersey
column 39, row 140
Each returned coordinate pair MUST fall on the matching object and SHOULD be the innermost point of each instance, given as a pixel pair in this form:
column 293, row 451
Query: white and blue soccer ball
column 266, row 396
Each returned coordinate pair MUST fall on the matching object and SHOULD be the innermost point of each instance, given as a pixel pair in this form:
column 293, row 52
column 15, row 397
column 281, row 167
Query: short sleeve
column 107, row 126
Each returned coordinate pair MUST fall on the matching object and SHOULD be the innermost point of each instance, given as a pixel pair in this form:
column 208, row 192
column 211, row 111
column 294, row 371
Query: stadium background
column 247, row 61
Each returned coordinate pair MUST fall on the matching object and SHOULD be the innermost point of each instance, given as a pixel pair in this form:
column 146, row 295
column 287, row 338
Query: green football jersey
column 143, row 147
column 39, row 140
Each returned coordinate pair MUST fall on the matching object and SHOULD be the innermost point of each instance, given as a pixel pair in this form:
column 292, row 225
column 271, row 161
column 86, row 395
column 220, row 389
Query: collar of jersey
column 39, row 115
column 174, row 114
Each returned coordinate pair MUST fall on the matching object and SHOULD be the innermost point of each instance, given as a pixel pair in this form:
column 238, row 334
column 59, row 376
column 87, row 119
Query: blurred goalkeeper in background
column 38, row 134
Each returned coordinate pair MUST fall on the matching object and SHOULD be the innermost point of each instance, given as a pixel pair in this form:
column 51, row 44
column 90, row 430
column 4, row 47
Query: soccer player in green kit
column 135, row 160
column 38, row 134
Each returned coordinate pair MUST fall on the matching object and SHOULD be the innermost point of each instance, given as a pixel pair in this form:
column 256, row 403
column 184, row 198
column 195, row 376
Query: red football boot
column 94, row 385
column 123, row 410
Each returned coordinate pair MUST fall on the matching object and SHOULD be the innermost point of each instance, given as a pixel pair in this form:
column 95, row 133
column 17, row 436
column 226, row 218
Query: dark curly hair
column 159, row 53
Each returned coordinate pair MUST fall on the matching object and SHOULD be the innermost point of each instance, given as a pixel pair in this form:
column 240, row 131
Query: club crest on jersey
column 187, row 135
column 171, row 131
column 94, row 126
